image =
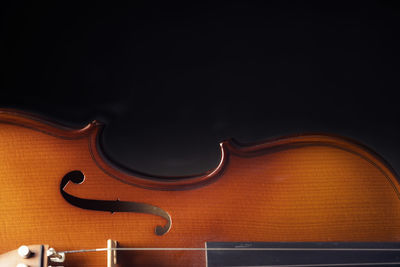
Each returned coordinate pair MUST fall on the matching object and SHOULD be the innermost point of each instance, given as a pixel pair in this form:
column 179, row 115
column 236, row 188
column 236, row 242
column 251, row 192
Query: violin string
column 230, row 249
column 261, row 249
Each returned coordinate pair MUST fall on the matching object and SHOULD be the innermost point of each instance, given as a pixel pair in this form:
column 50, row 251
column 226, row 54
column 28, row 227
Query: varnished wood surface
column 300, row 188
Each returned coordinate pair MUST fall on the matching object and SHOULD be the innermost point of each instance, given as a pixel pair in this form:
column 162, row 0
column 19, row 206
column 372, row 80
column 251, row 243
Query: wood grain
column 300, row 188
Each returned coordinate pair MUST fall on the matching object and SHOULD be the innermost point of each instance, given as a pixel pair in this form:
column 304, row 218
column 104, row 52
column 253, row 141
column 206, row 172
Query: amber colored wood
column 311, row 187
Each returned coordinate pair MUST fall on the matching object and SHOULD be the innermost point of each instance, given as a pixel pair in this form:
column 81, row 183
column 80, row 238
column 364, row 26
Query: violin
column 301, row 200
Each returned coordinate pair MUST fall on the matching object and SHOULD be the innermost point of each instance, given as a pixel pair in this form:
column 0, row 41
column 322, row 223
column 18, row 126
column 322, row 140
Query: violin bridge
column 111, row 253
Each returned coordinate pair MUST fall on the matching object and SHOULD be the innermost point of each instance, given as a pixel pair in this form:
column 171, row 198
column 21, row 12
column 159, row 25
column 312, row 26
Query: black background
column 173, row 80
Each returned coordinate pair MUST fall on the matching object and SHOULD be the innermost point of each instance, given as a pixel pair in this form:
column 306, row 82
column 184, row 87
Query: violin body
column 300, row 188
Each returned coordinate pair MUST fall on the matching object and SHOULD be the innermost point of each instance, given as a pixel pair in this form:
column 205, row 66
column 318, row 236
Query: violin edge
column 45, row 125
column 93, row 131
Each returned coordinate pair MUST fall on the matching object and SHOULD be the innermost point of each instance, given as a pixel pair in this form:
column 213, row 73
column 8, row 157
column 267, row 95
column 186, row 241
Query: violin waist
column 58, row 187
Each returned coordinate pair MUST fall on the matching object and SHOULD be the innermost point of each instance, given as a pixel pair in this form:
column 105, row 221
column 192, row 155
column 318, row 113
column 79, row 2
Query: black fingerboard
column 307, row 254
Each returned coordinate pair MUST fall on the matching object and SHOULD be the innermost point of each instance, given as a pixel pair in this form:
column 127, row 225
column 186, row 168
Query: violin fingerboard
column 302, row 254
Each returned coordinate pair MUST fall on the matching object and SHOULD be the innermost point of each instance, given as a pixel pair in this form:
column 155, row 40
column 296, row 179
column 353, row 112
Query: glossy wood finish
column 299, row 188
